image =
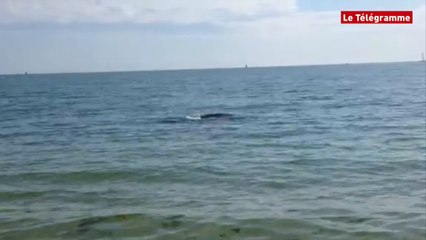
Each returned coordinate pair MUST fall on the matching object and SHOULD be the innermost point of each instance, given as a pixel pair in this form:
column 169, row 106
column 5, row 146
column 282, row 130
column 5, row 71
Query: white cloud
column 137, row 11
column 319, row 38
column 288, row 38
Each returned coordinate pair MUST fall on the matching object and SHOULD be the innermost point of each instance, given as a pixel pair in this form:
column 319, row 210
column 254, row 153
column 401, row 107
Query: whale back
column 215, row 115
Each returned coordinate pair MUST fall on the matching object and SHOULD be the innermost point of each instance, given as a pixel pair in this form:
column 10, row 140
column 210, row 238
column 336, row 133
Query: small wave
column 209, row 116
column 193, row 117
column 171, row 120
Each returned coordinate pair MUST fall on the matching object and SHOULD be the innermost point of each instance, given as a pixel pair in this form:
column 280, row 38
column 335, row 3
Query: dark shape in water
column 215, row 115
column 171, row 224
column 84, row 224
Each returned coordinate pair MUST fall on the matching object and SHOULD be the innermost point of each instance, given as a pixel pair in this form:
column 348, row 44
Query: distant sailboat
column 246, row 66
column 423, row 57
column 26, row 74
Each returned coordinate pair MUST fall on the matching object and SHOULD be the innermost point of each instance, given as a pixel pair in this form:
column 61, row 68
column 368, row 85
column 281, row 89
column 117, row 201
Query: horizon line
column 207, row 68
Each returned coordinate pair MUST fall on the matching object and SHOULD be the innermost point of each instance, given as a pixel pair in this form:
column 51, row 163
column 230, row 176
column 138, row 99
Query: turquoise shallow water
column 315, row 152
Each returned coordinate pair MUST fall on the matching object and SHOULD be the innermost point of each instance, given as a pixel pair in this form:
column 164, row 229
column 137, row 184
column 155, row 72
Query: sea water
column 312, row 152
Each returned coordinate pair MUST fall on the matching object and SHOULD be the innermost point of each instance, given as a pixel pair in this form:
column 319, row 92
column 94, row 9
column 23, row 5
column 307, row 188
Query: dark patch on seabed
column 88, row 226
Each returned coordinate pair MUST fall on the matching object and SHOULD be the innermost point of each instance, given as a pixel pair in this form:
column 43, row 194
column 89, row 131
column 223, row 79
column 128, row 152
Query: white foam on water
column 193, row 117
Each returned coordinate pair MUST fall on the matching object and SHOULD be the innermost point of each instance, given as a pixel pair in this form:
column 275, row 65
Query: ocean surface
column 312, row 152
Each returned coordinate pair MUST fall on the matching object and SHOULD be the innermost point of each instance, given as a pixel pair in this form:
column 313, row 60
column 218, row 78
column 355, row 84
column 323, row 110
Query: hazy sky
column 117, row 35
